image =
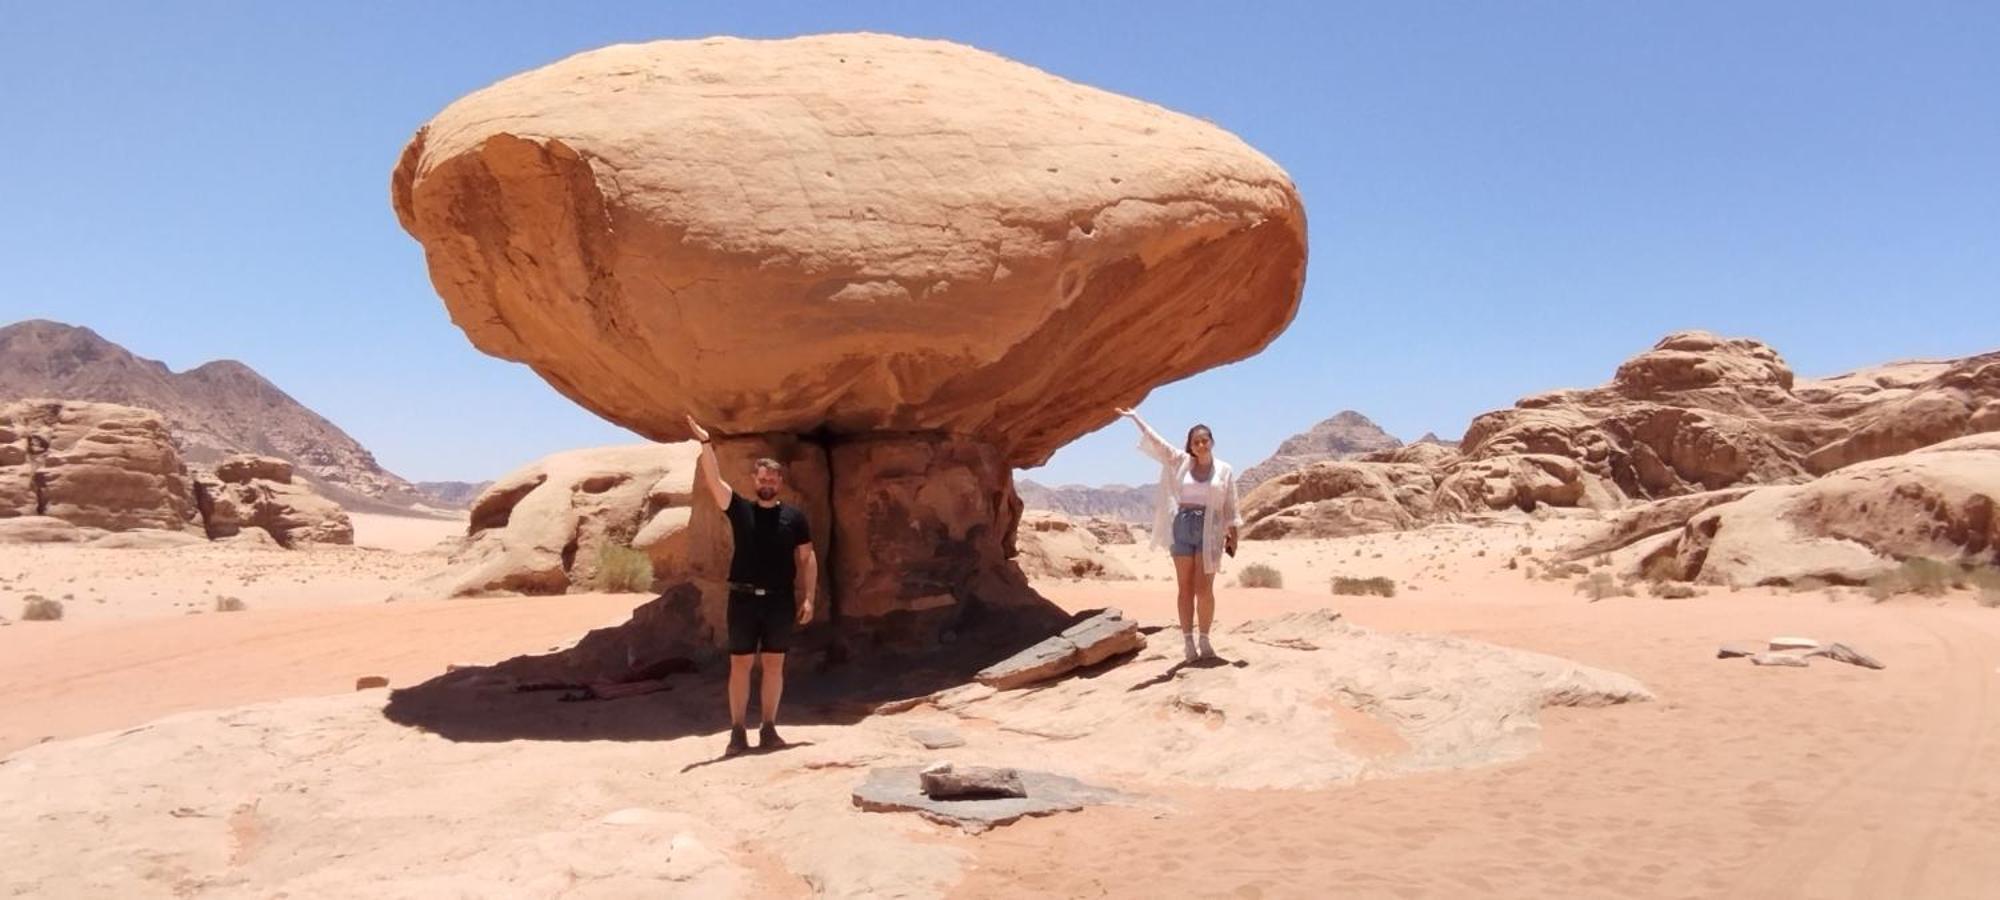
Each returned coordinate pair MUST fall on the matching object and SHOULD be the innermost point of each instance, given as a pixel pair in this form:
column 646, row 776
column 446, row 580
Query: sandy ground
column 1828, row 781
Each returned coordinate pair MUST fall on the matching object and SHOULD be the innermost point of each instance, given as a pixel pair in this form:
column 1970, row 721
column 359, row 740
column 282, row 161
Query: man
column 771, row 581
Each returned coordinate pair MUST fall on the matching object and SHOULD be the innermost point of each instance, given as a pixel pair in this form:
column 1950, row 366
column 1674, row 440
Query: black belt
column 738, row 587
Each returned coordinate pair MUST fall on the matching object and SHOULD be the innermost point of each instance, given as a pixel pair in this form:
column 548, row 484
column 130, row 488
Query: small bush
column 1561, row 570
column 229, row 604
column 1259, row 575
column 1601, row 585
column 1809, row 583
column 41, row 609
column 623, row 570
column 1602, row 560
column 1928, row 577
column 1987, row 582
column 1358, row 587
column 1513, row 562
column 1882, row 587
column 1672, row 590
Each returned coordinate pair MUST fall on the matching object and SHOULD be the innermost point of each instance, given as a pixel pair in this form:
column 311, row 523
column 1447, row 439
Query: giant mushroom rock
column 918, row 264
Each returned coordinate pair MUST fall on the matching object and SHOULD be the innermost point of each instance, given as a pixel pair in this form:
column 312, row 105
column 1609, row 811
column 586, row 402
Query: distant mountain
column 452, row 494
column 213, row 410
column 1347, row 434
column 1430, row 437
column 1114, row 501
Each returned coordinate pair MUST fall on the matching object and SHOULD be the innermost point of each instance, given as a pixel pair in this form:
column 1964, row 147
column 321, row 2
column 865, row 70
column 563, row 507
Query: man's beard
column 767, row 493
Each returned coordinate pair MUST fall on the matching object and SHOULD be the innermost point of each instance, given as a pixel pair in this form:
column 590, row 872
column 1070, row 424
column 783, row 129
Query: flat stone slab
column 946, row 782
column 1086, row 643
column 1794, row 643
column 1839, row 652
column 1780, row 659
column 899, row 789
column 1738, row 648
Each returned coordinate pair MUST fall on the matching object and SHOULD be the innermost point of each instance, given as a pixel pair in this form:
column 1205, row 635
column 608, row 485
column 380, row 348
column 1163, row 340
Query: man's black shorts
column 761, row 624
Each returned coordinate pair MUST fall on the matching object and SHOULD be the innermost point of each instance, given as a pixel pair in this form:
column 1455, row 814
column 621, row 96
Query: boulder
column 258, row 493
column 547, row 527
column 931, row 264
column 93, row 465
column 1333, row 499
column 1049, row 545
column 1111, row 531
column 650, row 225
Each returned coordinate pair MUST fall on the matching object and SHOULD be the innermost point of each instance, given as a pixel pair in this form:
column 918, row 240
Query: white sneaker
column 1193, row 652
column 1202, row 645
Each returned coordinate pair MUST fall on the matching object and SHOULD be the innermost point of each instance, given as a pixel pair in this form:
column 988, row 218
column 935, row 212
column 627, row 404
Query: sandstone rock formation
column 1050, row 545
column 931, row 263
column 75, row 471
column 257, row 492
column 1938, row 502
column 1695, row 415
column 214, row 410
column 93, row 465
column 548, row 527
column 1346, row 435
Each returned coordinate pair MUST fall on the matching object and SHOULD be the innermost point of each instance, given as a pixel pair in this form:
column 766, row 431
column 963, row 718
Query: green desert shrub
column 41, row 609
column 1357, row 587
column 623, row 570
column 1986, row 580
column 1928, row 577
column 1259, row 575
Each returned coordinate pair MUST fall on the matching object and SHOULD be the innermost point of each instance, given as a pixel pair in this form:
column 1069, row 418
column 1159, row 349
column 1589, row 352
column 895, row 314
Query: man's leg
column 774, row 685
column 742, row 653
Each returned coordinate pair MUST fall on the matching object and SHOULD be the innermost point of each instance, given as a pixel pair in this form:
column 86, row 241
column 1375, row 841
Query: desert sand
column 269, row 774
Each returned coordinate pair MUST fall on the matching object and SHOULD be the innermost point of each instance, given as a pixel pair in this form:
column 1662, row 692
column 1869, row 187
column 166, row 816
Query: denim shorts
column 1188, row 526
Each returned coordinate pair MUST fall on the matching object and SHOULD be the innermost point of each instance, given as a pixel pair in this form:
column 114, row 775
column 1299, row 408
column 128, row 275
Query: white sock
column 1187, row 638
column 1203, row 645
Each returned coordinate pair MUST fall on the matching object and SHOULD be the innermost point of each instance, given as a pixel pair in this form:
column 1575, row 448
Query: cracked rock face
column 847, row 234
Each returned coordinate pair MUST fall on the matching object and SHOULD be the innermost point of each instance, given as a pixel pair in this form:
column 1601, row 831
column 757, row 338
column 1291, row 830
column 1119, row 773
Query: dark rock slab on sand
column 899, row 789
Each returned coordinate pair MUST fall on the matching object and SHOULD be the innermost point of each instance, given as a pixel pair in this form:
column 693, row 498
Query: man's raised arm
column 707, row 469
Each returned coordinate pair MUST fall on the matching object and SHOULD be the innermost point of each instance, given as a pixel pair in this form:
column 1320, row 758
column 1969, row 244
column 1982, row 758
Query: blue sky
column 1504, row 197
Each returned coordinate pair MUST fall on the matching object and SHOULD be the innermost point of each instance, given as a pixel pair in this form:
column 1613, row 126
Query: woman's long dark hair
column 1204, row 429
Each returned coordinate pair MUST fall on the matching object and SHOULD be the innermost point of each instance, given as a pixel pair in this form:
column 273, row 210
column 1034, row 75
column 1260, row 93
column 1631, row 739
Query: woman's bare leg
column 1204, row 593
column 1186, row 568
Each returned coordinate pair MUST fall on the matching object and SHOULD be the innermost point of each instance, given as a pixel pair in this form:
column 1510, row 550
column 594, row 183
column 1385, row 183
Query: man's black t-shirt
column 765, row 540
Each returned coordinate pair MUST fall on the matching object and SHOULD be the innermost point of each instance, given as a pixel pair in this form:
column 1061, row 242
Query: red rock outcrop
column 932, row 263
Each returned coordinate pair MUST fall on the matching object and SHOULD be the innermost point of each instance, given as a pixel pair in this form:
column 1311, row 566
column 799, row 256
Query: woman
column 1195, row 519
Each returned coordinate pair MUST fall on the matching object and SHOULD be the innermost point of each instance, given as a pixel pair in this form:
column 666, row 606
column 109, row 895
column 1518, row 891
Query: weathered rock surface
column 1391, row 703
column 1049, row 545
column 214, row 410
column 618, row 219
column 44, row 530
column 1332, row 499
column 1737, row 649
column 1110, row 531
column 1780, row 659
column 1089, row 642
column 1345, row 435
column 93, row 465
column 1853, row 524
column 257, row 492
column 897, row 789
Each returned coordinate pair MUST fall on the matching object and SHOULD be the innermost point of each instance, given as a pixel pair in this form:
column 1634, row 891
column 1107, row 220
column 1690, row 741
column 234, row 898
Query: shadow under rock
column 826, row 682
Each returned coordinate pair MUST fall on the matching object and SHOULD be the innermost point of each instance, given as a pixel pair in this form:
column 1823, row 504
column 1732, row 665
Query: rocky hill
column 1112, row 501
column 1346, row 435
column 213, row 411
